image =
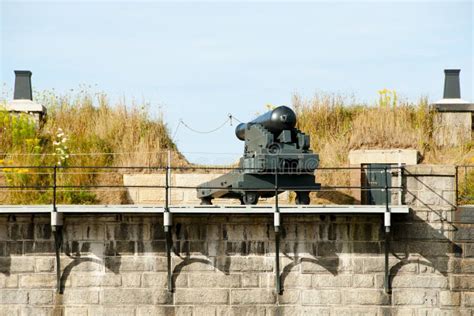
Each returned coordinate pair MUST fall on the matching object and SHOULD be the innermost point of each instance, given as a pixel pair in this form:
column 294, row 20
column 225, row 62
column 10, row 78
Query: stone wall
column 453, row 128
column 331, row 265
column 178, row 196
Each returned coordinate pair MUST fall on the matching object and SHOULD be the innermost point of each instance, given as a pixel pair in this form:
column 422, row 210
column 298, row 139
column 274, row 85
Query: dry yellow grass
column 337, row 125
column 81, row 130
column 129, row 134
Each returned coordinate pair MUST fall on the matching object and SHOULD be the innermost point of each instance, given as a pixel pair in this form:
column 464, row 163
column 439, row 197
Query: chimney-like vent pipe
column 452, row 88
column 22, row 85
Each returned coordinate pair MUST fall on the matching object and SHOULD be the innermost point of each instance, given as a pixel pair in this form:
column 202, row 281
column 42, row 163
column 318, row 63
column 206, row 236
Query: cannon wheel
column 249, row 198
column 206, row 201
column 302, row 198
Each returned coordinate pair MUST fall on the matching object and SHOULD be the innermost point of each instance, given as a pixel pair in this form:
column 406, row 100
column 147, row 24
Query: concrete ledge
column 431, row 170
column 366, row 156
column 199, row 209
column 25, row 106
column 453, row 105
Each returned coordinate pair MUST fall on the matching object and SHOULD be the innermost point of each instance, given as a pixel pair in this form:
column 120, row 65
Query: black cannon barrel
column 276, row 120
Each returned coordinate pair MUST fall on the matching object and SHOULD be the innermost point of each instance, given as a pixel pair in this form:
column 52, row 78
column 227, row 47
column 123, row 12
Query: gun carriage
column 276, row 155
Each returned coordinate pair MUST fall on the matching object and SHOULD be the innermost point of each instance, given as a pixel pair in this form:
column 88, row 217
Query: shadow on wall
column 33, row 235
column 413, row 241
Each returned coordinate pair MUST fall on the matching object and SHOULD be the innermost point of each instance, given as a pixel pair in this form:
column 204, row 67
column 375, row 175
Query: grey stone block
column 44, row 264
column 324, row 280
column 73, row 296
column 252, row 296
column 245, row 248
column 42, row 231
column 40, row 310
column 356, row 311
column 75, row 311
column 363, row 280
column 130, row 263
column 40, row 248
column 365, row 297
column 249, row 280
column 95, row 280
column 8, row 281
column 248, row 264
column 247, row 311
column 468, row 250
column 464, row 232
column 468, row 299
column 201, row 296
column 289, row 297
column 21, row 231
column 147, row 310
column 13, row 248
column 449, row 298
column 40, row 297
column 321, row 297
column 414, row 297
column 38, row 280
column 125, row 231
column 13, row 296
column 462, row 282
column 136, row 296
column 93, row 231
column 131, row 280
column 194, row 264
column 159, row 280
column 320, row 265
column 21, row 264
column 296, row 280
column 412, row 281
column 214, row 280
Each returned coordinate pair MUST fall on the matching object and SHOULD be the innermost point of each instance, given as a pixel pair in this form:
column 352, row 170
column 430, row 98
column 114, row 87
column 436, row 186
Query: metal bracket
column 168, row 244
column 57, row 229
column 277, row 225
column 57, row 221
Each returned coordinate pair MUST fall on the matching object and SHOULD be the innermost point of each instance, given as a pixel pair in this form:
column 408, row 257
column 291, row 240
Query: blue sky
column 200, row 61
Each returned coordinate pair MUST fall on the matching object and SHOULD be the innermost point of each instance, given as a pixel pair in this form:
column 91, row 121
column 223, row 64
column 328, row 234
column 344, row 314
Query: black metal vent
column 452, row 88
column 22, row 85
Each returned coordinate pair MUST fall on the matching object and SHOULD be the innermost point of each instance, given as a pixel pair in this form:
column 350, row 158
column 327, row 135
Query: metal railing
column 78, row 184
column 49, row 181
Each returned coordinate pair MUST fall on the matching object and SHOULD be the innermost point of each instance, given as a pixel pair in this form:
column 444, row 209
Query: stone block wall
column 225, row 265
column 453, row 128
column 178, row 196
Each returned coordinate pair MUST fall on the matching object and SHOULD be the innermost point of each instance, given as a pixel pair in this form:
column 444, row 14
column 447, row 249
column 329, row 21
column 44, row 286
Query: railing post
column 55, row 168
column 167, row 223
column 387, row 223
column 465, row 182
column 456, row 180
column 56, row 228
column 277, row 224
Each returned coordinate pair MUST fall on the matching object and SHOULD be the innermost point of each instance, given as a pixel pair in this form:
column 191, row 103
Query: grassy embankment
column 337, row 125
column 80, row 130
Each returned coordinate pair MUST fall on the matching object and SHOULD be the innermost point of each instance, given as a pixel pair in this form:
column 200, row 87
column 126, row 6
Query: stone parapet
column 225, row 264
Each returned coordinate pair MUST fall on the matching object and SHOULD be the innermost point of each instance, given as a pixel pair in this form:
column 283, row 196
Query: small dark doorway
column 373, row 175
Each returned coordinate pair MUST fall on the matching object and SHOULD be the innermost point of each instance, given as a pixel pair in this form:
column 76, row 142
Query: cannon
column 277, row 158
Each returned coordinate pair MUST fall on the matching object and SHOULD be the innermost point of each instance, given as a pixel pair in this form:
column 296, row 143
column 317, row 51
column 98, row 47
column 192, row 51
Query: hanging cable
column 175, row 131
column 229, row 119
